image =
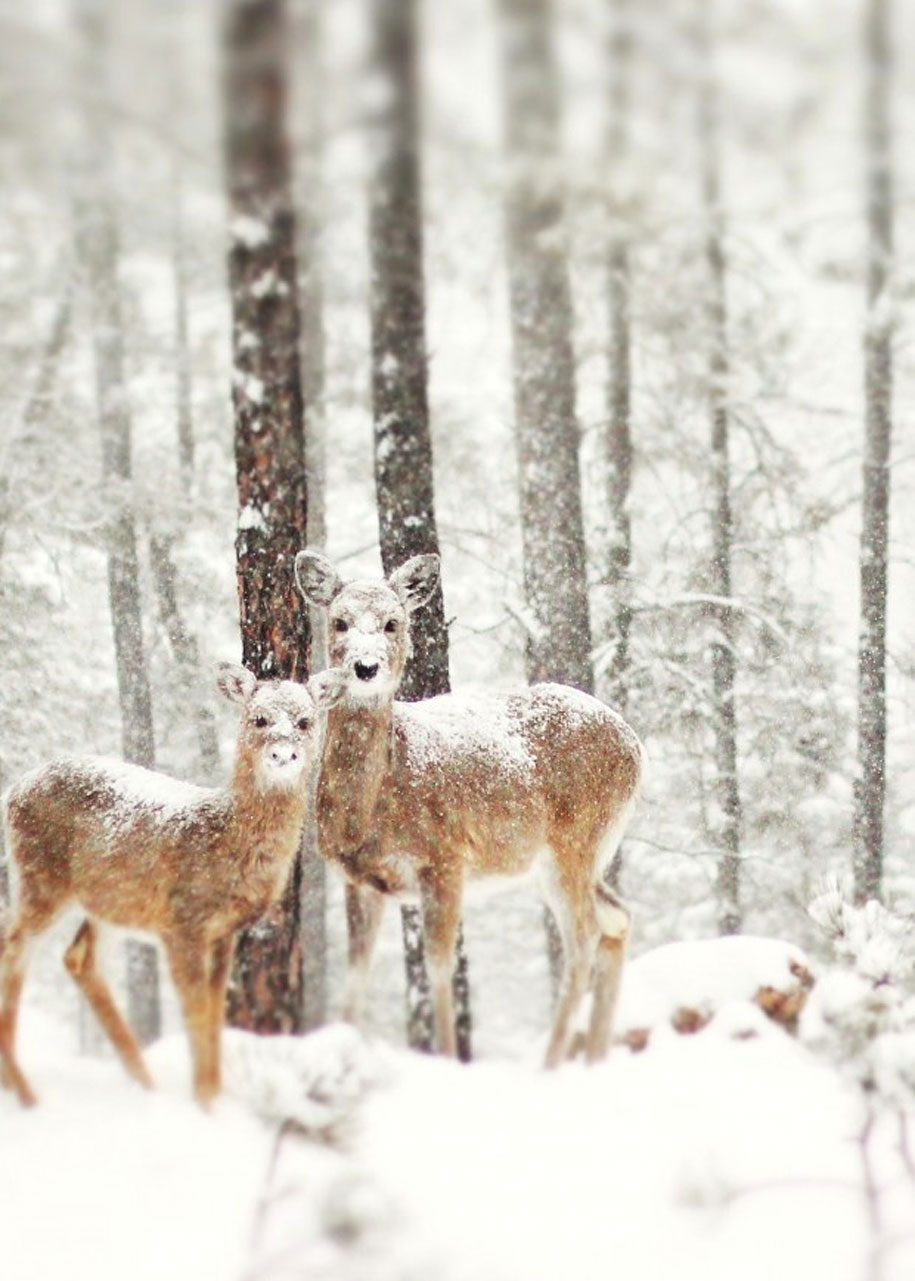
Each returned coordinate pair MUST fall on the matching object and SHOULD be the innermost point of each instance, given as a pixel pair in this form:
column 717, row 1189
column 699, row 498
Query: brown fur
column 421, row 798
column 190, row 865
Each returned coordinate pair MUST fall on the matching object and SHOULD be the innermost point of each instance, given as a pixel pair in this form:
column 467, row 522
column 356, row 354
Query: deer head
column 368, row 621
column 279, row 731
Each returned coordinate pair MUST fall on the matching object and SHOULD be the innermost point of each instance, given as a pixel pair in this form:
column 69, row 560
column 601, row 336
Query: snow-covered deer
column 419, row 798
column 143, row 851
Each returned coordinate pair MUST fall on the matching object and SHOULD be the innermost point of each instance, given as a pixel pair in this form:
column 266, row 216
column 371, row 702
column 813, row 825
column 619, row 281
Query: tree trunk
column 184, row 412
column 267, row 988
column 559, row 636
column 870, row 788
column 165, row 574
column 98, row 250
column 728, row 817
column 619, row 383
column 37, row 403
column 309, row 192
column 558, row 641
column 403, row 448
column 619, row 387
column 187, row 658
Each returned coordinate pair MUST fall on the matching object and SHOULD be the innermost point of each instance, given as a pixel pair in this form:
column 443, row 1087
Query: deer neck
column 355, row 766
column 268, row 821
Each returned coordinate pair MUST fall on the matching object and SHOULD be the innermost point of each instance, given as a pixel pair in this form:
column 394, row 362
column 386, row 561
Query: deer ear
column 327, row 688
column 235, row 682
column 316, row 577
column 416, row 580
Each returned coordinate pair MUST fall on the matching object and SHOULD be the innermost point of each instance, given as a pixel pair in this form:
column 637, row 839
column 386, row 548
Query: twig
column 267, row 1198
column 905, row 1149
column 872, row 1199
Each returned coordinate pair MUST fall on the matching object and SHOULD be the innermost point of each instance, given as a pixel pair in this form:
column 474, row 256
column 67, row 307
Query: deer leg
column 574, row 985
column 578, row 928
column 81, row 960
column 614, row 919
column 189, row 961
column 13, row 960
column 364, row 909
column 221, row 954
column 441, row 904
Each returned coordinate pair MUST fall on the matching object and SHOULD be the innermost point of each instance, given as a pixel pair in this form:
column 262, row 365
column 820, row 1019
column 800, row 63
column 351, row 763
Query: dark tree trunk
column 98, row 249
column 267, row 988
column 870, row 786
column 309, row 192
column 726, row 826
column 559, row 635
column 403, row 447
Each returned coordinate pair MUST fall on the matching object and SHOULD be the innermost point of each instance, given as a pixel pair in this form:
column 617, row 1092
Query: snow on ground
column 105, row 1180
column 702, row 1157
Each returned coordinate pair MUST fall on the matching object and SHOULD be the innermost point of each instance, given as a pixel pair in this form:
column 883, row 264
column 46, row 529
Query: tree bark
column 267, row 988
column 98, row 251
column 870, row 786
column 403, row 447
column 619, row 382
column 547, row 434
column 309, row 202
column 558, row 640
column 37, row 403
column 727, row 821
column 165, row 574
column 187, row 657
column 619, row 386
column 183, row 407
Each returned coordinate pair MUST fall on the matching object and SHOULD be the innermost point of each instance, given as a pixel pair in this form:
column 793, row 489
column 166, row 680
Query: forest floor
column 703, row 1156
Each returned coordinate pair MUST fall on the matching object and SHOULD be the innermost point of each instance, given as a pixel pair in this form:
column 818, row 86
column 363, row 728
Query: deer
column 146, row 852
column 419, row 800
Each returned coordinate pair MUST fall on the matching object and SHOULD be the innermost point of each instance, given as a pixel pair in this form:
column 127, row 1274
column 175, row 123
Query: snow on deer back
column 420, row 797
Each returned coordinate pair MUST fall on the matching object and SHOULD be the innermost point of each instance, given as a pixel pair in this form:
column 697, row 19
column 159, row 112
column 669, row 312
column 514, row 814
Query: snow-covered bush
column 312, row 1084
column 862, row 1012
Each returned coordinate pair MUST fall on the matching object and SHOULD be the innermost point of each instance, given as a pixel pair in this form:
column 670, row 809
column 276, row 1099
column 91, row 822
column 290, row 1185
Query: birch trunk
column 619, row 383
column 870, row 788
column 619, row 386
column 727, row 819
column 98, row 253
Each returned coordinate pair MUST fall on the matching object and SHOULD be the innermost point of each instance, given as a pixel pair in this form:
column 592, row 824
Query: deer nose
column 365, row 671
column 282, row 754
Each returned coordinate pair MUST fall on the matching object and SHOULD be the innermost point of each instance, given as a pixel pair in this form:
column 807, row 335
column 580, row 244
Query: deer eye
column 303, row 723
column 260, row 722
column 391, row 626
column 340, row 625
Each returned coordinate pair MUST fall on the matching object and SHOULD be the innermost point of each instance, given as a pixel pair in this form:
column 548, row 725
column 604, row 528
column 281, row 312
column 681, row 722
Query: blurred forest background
column 637, row 274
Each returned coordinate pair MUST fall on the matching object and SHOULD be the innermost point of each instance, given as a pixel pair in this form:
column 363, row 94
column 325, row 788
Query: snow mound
column 686, row 985
column 313, row 1083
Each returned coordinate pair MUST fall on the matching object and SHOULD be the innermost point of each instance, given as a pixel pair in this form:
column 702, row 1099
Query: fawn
column 191, row 865
column 419, row 798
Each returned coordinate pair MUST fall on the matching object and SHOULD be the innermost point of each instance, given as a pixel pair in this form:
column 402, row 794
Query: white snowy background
column 737, row 1152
